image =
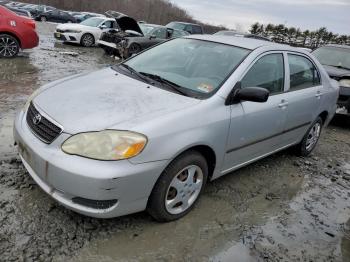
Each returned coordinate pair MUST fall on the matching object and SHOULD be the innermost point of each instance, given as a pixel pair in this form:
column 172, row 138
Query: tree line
column 296, row 37
column 151, row 11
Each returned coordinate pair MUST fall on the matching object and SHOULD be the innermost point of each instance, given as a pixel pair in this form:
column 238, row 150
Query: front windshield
column 146, row 29
column 94, row 22
column 333, row 56
column 195, row 65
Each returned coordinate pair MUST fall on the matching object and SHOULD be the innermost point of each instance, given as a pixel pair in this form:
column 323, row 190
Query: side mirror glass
column 103, row 27
column 252, row 94
column 152, row 37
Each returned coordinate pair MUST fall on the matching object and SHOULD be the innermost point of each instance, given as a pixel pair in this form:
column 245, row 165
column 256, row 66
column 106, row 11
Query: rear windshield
column 333, row 56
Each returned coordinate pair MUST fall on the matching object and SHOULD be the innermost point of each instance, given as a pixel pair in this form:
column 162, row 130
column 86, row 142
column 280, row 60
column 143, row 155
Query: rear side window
column 197, row 29
column 267, row 72
column 303, row 73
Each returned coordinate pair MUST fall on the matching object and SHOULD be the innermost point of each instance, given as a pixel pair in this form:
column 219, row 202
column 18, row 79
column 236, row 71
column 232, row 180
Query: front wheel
column 87, row 40
column 179, row 187
column 309, row 142
column 43, row 19
column 9, row 46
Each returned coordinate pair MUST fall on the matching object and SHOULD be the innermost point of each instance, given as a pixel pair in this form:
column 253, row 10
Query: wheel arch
column 324, row 116
column 207, row 152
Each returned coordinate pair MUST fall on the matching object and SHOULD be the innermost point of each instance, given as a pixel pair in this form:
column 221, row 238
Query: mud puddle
column 283, row 208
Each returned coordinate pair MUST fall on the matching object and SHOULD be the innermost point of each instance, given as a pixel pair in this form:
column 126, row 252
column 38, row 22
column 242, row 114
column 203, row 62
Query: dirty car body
column 336, row 60
column 193, row 107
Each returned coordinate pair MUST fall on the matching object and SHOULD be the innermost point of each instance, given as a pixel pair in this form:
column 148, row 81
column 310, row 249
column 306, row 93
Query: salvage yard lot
column 283, row 208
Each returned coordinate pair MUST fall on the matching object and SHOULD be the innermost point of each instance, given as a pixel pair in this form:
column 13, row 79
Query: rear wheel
column 179, row 187
column 87, row 40
column 43, row 19
column 9, row 46
column 311, row 138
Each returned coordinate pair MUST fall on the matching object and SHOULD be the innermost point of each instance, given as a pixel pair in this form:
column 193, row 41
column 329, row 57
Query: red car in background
column 16, row 32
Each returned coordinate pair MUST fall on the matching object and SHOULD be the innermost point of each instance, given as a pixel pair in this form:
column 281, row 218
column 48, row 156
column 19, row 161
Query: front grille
column 95, row 204
column 44, row 129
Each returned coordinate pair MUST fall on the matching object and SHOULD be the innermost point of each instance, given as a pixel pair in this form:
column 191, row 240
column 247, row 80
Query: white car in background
column 87, row 33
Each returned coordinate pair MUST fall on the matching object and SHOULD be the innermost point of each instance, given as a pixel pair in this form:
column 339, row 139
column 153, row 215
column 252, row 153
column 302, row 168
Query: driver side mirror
column 152, row 37
column 103, row 27
column 252, row 94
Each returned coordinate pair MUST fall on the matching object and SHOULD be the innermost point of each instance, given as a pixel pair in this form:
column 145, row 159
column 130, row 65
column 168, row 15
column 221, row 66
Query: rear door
column 304, row 96
column 256, row 128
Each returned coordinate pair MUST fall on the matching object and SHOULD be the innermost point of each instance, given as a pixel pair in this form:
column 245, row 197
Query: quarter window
column 267, row 72
column 303, row 73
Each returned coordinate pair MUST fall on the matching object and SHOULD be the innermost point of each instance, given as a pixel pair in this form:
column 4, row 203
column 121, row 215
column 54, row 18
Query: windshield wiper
column 134, row 72
column 177, row 88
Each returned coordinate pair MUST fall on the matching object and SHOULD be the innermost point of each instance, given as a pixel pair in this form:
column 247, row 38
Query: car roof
column 184, row 23
column 248, row 43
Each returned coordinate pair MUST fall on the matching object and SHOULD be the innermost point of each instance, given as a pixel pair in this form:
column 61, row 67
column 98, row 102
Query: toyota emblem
column 37, row 119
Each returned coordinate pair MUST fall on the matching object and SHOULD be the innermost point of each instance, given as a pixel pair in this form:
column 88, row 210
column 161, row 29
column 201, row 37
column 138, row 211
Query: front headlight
column 105, row 145
column 344, row 82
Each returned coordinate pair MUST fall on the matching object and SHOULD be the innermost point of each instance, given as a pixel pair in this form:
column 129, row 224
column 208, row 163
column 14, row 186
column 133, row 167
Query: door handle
column 319, row 95
column 283, row 104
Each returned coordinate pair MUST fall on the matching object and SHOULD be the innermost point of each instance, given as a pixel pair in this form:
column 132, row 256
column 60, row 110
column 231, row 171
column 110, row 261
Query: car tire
column 43, row 19
column 87, row 40
column 179, row 187
column 309, row 142
column 11, row 48
column 133, row 49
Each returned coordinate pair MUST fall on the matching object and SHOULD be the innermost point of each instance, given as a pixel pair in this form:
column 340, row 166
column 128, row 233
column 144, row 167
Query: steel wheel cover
column 313, row 136
column 184, row 189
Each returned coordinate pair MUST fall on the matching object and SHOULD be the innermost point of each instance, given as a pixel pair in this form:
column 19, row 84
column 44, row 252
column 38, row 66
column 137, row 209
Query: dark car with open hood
column 336, row 60
column 132, row 37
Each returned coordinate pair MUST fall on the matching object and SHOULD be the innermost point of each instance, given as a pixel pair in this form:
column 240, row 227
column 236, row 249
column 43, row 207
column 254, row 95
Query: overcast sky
column 306, row 14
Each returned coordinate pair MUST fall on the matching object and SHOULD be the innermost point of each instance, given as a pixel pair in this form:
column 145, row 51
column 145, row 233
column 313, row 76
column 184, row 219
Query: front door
column 256, row 128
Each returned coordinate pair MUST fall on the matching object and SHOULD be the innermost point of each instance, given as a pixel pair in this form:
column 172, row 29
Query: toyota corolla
column 149, row 133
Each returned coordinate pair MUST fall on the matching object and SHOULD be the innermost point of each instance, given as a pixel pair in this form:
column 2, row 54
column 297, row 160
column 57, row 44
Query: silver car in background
column 149, row 133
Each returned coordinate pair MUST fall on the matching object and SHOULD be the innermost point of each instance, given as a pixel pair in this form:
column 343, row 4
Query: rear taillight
column 30, row 23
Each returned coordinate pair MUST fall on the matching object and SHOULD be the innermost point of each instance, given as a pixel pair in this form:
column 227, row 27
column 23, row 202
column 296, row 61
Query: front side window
column 160, row 33
column 303, row 73
column 197, row 66
column 108, row 24
column 267, row 72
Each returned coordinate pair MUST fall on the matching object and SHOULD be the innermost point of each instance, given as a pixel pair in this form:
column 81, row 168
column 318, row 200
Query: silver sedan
column 149, row 133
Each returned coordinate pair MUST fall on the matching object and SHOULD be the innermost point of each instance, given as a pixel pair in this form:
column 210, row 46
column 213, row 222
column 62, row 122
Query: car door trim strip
column 267, row 138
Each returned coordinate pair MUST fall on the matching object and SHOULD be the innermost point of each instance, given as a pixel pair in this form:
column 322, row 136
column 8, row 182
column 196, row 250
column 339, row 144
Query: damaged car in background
column 132, row 37
column 148, row 133
column 336, row 60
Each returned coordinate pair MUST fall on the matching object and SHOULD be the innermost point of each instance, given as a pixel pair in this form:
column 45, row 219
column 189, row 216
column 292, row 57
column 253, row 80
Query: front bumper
column 68, row 37
column 66, row 177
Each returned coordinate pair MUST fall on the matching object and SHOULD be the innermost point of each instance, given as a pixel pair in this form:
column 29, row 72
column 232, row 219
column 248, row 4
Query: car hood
column 105, row 98
column 71, row 26
column 335, row 72
column 125, row 22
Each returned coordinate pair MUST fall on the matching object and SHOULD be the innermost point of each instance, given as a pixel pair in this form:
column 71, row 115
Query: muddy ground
column 282, row 208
